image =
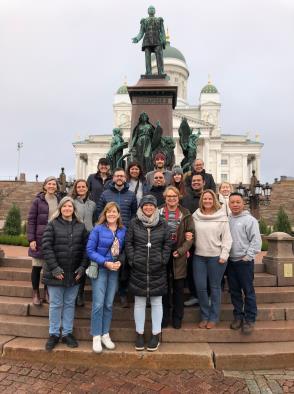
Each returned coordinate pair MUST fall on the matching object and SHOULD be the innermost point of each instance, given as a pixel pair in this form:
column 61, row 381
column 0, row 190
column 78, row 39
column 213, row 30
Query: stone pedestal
column 2, row 254
column 155, row 96
column 279, row 260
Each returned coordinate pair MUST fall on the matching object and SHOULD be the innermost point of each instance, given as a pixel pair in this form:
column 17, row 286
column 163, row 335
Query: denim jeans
column 103, row 292
column 240, row 278
column 203, row 268
column 62, row 309
column 156, row 314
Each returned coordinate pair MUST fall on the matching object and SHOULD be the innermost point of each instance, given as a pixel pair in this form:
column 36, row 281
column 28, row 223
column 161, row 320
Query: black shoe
column 236, row 324
column 247, row 327
column 80, row 301
column 51, row 342
column 70, row 340
column 177, row 324
column 153, row 343
column 140, row 345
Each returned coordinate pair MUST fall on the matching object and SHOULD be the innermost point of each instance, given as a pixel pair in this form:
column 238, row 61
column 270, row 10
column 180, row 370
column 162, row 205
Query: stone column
column 218, row 166
column 279, row 260
column 206, row 154
column 245, row 169
column 257, row 158
column 77, row 166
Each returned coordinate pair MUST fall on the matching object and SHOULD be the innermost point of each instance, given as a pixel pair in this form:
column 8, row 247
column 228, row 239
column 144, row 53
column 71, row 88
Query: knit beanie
column 148, row 199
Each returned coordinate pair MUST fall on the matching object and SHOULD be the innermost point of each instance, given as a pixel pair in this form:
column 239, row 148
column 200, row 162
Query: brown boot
column 36, row 297
column 46, row 295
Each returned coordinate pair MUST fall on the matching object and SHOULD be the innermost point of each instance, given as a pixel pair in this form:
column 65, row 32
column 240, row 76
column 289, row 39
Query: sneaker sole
column 153, row 349
column 139, row 348
column 108, row 348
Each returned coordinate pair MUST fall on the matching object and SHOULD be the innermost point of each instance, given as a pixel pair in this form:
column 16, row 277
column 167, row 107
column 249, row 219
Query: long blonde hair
column 216, row 205
column 108, row 207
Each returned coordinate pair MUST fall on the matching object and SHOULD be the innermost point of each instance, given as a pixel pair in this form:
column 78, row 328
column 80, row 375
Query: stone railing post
column 2, row 254
column 279, row 260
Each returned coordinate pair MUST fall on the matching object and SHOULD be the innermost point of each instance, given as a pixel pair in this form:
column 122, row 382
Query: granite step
column 168, row 356
column 253, row 356
column 124, row 331
column 191, row 314
column 19, row 274
column 17, row 262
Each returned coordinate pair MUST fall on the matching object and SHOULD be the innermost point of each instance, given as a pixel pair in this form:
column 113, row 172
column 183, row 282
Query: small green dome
column 209, row 88
column 122, row 90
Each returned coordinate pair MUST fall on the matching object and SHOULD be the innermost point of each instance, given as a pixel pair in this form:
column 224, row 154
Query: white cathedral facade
column 228, row 157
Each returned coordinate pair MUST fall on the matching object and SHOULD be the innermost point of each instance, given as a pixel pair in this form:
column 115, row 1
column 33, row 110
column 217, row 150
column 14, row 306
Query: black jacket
column 148, row 270
column 209, row 181
column 157, row 192
column 191, row 200
column 64, row 249
column 97, row 186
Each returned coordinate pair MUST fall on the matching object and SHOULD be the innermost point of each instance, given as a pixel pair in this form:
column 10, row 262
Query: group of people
column 144, row 236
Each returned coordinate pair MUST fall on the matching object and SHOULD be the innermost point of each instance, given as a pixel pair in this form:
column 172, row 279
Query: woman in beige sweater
column 212, row 246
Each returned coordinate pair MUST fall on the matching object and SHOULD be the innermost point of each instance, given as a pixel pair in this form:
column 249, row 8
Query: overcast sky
column 61, row 62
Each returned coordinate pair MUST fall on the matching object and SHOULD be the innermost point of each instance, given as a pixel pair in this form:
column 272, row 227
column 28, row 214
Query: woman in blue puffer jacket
column 105, row 245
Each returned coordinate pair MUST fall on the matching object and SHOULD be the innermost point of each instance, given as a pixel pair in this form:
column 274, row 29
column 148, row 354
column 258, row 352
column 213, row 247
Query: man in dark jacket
column 118, row 191
column 192, row 198
column 158, row 187
column 198, row 168
column 98, row 181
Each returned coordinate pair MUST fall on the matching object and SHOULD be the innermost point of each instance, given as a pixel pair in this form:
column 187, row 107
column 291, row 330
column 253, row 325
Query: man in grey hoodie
column 246, row 244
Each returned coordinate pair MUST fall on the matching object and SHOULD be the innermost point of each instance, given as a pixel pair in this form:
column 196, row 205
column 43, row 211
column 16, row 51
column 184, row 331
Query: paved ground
column 23, row 377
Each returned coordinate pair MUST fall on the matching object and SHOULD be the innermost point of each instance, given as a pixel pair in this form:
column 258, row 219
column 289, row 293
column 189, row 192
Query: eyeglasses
column 171, row 196
column 158, row 177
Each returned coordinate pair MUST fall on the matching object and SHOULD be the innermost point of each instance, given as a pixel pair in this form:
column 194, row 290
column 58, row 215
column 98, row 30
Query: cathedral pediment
column 194, row 123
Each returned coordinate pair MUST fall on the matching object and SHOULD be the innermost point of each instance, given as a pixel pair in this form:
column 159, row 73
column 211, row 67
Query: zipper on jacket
column 148, row 256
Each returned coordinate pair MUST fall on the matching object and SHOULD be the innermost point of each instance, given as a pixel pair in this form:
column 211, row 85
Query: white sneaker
column 97, row 347
column 192, row 301
column 107, row 342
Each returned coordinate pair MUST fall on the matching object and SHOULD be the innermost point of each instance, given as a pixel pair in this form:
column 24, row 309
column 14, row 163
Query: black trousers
column 174, row 299
column 240, row 278
column 190, row 278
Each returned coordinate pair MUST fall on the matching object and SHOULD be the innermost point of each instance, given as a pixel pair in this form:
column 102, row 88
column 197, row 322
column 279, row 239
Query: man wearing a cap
column 159, row 163
column 98, row 181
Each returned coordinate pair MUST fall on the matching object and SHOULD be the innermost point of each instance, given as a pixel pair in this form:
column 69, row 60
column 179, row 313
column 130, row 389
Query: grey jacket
column 246, row 237
column 86, row 211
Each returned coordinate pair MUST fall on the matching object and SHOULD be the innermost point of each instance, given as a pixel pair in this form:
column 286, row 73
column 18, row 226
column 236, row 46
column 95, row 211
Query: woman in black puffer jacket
column 64, row 249
column 148, row 249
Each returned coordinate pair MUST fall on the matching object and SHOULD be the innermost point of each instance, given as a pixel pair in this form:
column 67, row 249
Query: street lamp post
column 256, row 195
column 19, row 147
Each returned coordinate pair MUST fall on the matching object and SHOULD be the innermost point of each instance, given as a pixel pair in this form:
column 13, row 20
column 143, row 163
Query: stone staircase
column 19, row 193
column 24, row 329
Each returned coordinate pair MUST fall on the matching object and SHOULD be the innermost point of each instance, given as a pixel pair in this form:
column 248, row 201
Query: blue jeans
column 203, row 268
column 240, row 278
column 62, row 309
column 103, row 292
column 156, row 314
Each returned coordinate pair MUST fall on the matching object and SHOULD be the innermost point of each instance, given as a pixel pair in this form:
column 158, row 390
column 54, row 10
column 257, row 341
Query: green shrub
column 263, row 227
column 18, row 240
column 24, row 228
column 264, row 245
column 282, row 222
column 12, row 224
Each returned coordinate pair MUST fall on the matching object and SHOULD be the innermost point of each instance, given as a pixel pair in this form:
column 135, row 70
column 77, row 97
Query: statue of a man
column 154, row 40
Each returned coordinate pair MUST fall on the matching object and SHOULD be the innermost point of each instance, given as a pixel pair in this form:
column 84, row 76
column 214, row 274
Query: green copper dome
column 173, row 52
column 209, row 88
column 122, row 90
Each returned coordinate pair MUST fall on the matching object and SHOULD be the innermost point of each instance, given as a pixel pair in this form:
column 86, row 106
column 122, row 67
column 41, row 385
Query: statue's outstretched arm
column 141, row 33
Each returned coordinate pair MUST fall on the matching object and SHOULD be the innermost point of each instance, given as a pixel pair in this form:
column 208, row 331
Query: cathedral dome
column 173, row 52
column 122, row 90
column 209, row 89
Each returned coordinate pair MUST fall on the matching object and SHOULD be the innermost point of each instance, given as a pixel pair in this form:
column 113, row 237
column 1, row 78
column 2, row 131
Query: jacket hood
column 243, row 213
column 217, row 216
